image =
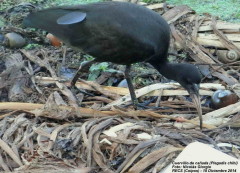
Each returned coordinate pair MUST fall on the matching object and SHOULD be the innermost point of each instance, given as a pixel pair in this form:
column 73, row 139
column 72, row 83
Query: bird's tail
column 47, row 20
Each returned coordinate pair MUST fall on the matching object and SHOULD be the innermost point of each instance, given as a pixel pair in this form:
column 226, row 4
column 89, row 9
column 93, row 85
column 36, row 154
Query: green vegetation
column 96, row 69
column 2, row 22
column 5, row 4
column 88, row 57
column 31, row 46
column 228, row 10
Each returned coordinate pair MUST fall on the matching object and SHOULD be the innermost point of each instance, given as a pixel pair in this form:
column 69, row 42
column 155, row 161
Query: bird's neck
column 168, row 70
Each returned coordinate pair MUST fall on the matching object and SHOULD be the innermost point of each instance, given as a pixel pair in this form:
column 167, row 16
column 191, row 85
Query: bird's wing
column 100, row 30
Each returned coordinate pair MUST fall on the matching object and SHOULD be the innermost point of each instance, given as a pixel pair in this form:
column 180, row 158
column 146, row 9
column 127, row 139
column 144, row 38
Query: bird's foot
column 144, row 105
column 76, row 90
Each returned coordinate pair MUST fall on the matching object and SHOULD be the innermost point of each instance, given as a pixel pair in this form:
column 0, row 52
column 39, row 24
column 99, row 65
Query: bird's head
column 190, row 78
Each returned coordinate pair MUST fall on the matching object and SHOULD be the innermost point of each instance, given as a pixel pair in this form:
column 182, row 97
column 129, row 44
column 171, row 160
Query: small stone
column 14, row 40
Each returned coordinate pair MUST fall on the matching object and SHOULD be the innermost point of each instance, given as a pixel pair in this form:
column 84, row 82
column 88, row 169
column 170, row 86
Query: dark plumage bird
column 118, row 32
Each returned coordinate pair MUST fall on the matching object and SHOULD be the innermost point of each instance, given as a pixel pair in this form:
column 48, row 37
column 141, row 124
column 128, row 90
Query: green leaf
column 101, row 66
column 93, row 75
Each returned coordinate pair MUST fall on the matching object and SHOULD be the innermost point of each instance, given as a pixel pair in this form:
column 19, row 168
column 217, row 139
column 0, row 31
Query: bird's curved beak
column 197, row 102
column 194, row 94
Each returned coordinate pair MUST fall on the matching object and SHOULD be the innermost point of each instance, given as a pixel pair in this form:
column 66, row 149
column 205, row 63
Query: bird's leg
column 84, row 66
column 132, row 92
column 130, row 86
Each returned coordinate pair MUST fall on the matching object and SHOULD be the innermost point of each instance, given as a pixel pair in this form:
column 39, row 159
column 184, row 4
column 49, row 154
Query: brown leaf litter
column 43, row 128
